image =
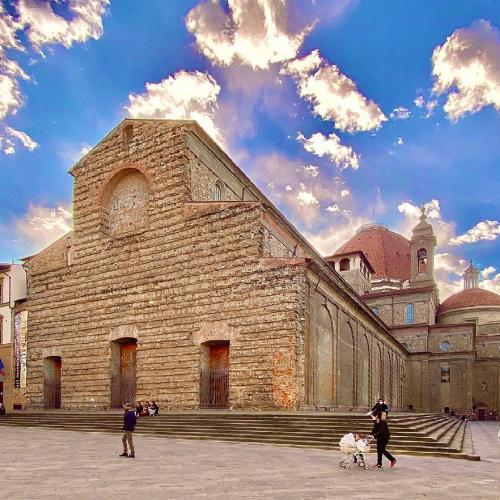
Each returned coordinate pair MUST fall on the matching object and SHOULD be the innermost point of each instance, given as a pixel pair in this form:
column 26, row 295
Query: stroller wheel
column 361, row 463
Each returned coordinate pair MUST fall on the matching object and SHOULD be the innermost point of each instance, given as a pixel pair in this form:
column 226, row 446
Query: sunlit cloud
column 400, row 113
column 38, row 227
column 487, row 230
column 466, row 69
column 183, row 96
column 330, row 146
column 334, row 96
column 254, row 32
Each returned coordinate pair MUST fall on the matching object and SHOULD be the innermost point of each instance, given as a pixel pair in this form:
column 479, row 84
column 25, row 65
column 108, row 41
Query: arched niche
column 125, row 202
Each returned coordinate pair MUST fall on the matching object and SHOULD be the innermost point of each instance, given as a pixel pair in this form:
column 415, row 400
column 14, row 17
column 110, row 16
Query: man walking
column 129, row 421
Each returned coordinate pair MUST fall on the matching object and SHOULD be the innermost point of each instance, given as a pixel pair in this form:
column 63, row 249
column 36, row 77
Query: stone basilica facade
column 182, row 283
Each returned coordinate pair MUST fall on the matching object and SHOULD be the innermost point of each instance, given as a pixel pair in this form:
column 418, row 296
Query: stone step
column 426, row 434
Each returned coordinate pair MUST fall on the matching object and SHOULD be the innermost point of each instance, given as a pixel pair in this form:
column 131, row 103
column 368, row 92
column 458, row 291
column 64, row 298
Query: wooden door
column 127, row 372
column 52, row 383
column 219, row 376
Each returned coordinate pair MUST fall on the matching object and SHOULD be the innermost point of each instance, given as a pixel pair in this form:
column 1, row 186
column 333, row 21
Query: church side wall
column 350, row 360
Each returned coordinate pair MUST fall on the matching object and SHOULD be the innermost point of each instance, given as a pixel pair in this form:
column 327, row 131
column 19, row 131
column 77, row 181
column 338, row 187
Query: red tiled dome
column 470, row 297
column 388, row 252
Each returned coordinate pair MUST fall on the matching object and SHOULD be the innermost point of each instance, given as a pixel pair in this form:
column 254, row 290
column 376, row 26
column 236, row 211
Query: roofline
column 359, row 252
column 404, row 291
column 462, row 308
column 43, row 250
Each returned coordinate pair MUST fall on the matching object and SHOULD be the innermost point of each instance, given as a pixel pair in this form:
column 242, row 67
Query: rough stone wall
column 487, row 385
column 339, row 330
column 392, row 308
column 192, row 265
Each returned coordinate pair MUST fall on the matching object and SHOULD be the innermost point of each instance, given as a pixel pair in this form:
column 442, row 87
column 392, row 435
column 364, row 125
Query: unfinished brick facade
column 156, row 264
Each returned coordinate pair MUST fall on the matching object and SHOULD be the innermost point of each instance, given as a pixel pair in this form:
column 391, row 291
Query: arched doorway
column 123, row 371
column 52, row 382
column 214, row 374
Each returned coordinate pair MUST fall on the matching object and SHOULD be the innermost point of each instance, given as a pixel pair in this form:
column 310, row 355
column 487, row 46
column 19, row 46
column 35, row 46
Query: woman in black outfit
column 381, row 432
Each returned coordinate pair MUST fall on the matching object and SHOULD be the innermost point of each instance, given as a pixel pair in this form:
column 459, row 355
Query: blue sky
column 342, row 112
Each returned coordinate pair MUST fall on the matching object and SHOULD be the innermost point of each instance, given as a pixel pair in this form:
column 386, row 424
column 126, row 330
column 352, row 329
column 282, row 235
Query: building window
column 445, row 374
column 127, row 134
column 1, row 329
column 219, row 191
column 422, row 261
column 409, row 314
column 375, row 311
column 445, row 346
column 345, row 265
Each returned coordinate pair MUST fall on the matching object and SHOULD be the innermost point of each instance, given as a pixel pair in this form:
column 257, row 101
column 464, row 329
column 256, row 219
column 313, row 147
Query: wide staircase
column 413, row 434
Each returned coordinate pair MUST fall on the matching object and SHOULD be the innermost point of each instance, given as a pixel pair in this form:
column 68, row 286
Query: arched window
column 422, row 261
column 409, row 314
column 345, row 265
column 219, row 191
column 125, row 203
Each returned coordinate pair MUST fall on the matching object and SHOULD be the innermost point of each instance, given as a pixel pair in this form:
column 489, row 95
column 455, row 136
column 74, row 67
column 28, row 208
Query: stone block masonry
column 155, row 262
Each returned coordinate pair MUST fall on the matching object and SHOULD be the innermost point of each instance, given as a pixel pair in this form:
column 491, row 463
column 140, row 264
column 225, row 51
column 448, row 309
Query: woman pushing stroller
column 381, row 432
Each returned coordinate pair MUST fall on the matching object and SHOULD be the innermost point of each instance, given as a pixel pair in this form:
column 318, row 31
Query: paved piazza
column 39, row 463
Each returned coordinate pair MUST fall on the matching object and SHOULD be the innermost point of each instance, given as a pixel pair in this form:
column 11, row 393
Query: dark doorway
column 1, row 392
column 52, row 382
column 123, row 372
column 215, row 376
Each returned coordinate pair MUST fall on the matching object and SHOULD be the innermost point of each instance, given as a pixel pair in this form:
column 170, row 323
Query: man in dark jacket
column 129, row 421
column 381, row 432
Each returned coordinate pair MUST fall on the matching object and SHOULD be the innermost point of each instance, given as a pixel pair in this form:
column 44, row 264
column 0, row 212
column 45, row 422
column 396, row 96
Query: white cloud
column 485, row 273
column 44, row 26
column 467, row 69
column 330, row 146
column 328, row 240
column 334, row 95
column 399, row 141
column 448, row 270
column 23, row 137
column 400, row 113
column 305, row 197
column 419, row 101
column 255, row 32
column 492, row 284
column 41, row 226
column 487, row 230
column 311, row 170
column 333, row 208
column 288, row 188
column 344, row 193
column 443, row 230
column 39, row 24
column 185, row 95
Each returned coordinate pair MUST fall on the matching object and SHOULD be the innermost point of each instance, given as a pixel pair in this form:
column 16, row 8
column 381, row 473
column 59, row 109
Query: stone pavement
column 40, row 463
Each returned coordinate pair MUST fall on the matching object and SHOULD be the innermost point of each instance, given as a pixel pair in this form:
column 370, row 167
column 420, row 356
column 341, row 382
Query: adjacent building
column 453, row 360
column 12, row 336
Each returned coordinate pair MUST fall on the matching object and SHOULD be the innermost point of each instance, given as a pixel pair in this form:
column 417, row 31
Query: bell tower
column 422, row 246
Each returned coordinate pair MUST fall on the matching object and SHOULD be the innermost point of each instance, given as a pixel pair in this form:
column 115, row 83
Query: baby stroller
column 356, row 452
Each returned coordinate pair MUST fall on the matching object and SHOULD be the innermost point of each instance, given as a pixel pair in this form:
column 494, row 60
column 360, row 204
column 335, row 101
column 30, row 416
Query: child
column 350, row 440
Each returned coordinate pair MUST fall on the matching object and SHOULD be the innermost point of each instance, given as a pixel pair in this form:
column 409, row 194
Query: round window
column 445, row 346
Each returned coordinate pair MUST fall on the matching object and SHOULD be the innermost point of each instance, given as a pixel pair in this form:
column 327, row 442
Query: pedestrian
column 2, row 409
column 129, row 421
column 381, row 432
column 379, row 407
